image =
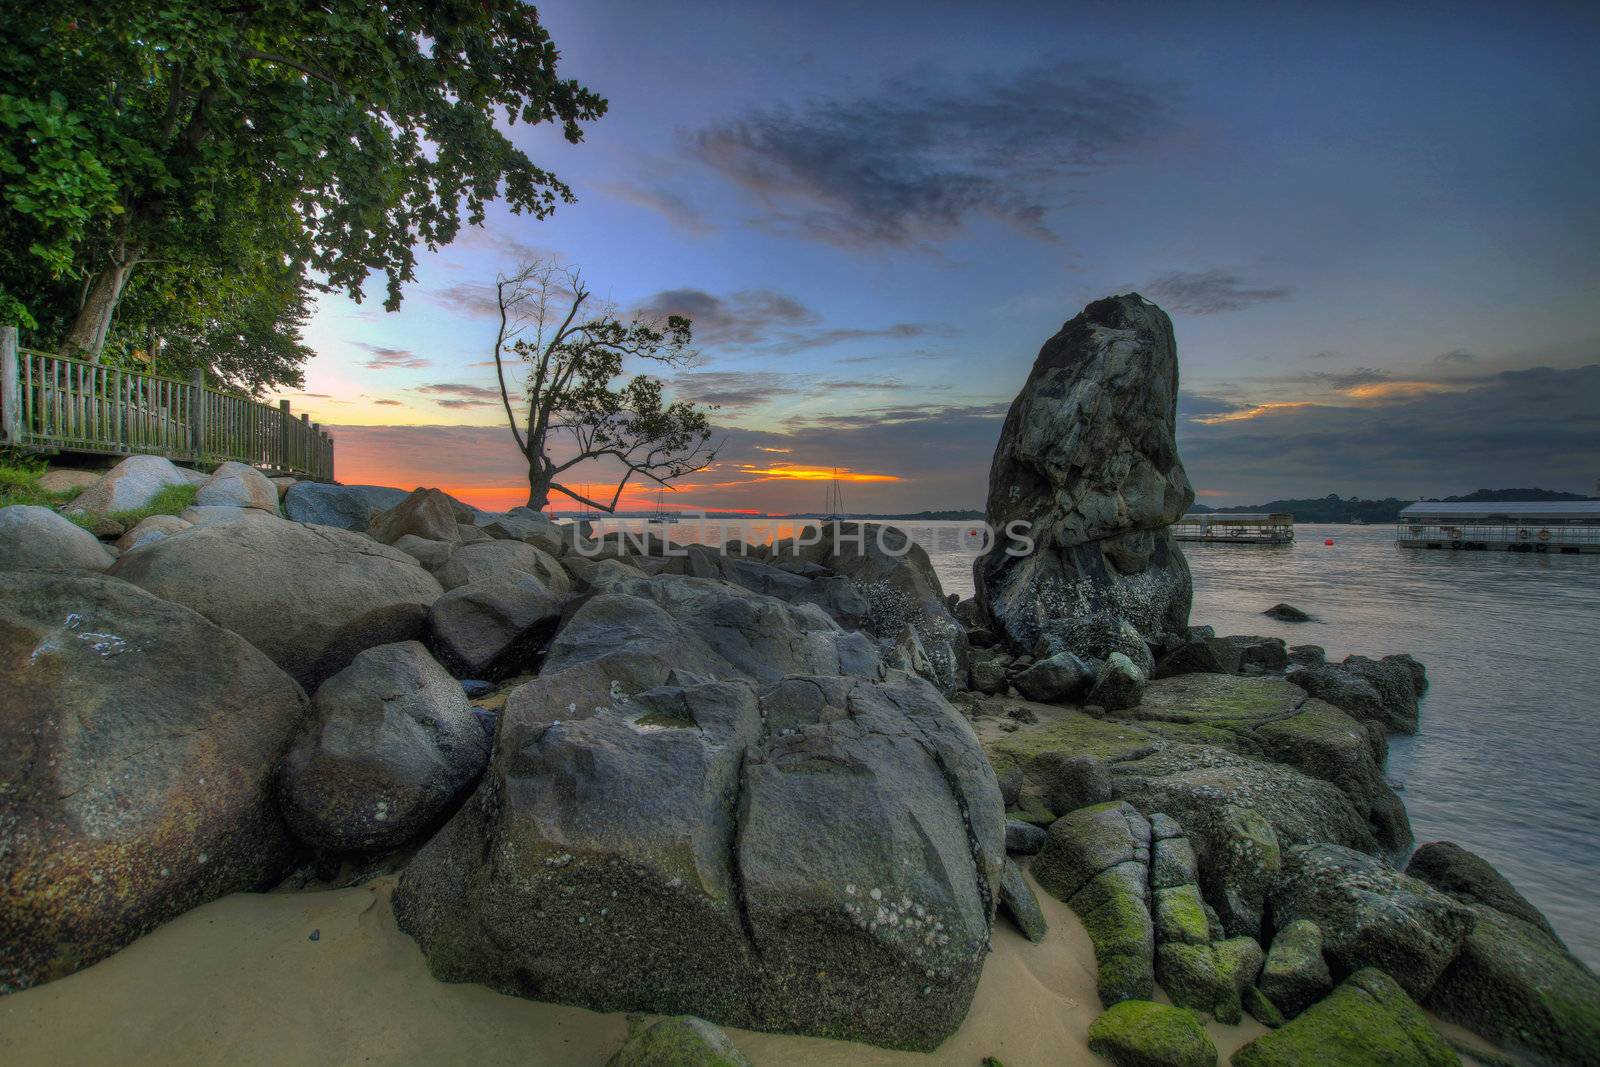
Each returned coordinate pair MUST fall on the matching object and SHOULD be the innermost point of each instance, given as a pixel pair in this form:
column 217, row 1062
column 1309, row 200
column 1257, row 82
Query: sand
column 239, row 981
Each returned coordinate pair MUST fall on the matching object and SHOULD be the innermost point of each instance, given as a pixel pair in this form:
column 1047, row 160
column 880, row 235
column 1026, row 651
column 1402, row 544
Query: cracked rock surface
column 699, row 808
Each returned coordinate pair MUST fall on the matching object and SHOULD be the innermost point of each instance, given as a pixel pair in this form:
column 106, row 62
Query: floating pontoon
column 1236, row 528
column 1564, row 526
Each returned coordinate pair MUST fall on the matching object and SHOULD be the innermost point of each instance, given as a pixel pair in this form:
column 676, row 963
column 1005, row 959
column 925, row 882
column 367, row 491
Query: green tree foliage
column 573, row 406
column 243, row 156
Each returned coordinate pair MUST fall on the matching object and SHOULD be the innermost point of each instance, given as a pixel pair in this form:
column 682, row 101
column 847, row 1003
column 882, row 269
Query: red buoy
column 1329, row 541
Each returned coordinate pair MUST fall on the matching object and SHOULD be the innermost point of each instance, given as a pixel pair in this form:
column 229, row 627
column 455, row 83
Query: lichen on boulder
column 1368, row 1020
column 1142, row 1033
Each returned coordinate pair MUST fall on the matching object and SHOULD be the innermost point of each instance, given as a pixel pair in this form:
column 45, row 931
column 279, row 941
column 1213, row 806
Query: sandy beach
column 239, row 981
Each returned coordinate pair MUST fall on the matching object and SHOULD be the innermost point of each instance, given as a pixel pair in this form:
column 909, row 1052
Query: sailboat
column 588, row 513
column 833, row 509
column 662, row 515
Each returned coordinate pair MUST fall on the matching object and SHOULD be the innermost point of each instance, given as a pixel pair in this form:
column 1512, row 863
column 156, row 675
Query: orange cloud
column 1394, row 390
column 1253, row 413
column 785, row 472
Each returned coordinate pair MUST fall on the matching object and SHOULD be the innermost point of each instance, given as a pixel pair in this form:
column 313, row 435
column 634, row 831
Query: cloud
column 764, row 318
column 1455, row 357
column 743, row 390
column 467, row 298
column 458, row 397
column 388, row 403
column 1209, row 292
column 675, row 207
column 384, row 358
column 1523, row 427
column 743, row 318
column 917, row 161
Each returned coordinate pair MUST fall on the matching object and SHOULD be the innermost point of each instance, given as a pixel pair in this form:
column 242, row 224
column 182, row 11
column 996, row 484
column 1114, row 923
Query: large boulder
column 1295, row 975
column 1370, row 914
column 238, row 485
column 1513, row 981
column 349, row 507
column 1060, row 678
column 1087, row 461
column 501, row 559
column 1367, row 1020
column 636, row 633
column 150, row 530
column 310, row 597
column 135, row 774
column 493, row 627
column 130, row 485
column 893, row 574
column 526, row 525
column 35, row 538
column 389, row 745
column 818, row 855
column 424, row 513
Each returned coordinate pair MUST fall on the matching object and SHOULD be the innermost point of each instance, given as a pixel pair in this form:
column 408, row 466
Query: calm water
column 1507, row 762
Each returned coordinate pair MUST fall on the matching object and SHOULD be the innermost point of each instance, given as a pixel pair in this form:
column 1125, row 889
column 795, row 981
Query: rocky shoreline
column 779, row 787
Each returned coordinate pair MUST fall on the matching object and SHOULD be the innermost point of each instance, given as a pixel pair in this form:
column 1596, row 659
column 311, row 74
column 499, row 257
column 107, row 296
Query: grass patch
column 19, row 484
column 171, row 500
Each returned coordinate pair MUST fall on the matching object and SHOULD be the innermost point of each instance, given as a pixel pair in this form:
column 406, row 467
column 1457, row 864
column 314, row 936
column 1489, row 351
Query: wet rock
column 139, row 743
column 1023, row 838
column 130, row 485
column 476, row 687
column 1286, row 613
column 343, row 592
column 1060, row 678
column 1087, row 459
column 1369, row 1019
column 238, row 485
column 348, row 507
column 1395, row 679
column 987, row 676
column 1017, row 898
column 492, row 627
column 1261, row 1008
column 1244, row 654
column 1370, row 914
column 1071, row 782
column 389, row 744
column 1513, row 981
column 1141, row 1033
column 681, row 1042
column 1307, row 656
column 1295, row 975
column 818, row 855
column 1190, row 656
column 37, row 539
column 1119, row 684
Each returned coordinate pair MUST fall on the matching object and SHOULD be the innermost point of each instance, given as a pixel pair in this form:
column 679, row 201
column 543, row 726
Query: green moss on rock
column 1141, row 1033
column 684, row 1041
column 1261, row 1008
column 1365, row 1021
column 1181, row 916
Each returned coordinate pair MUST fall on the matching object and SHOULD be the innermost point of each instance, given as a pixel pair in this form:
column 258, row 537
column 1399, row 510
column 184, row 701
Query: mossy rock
column 1518, row 986
column 1296, row 975
column 683, row 1041
column 1181, row 916
column 1141, row 1033
column 1217, row 699
column 1262, row 1009
column 1365, row 1021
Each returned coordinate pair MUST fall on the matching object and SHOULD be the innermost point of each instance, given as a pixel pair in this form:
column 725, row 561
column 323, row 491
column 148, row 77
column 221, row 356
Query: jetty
column 1568, row 527
column 1236, row 528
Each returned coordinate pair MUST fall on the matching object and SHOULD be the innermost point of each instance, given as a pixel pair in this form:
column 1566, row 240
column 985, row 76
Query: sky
column 1376, row 230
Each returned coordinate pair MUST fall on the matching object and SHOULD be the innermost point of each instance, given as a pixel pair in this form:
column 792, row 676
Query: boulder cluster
column 696, row 780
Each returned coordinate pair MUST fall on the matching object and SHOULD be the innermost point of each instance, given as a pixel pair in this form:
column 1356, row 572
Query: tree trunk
column 89, row 330
column 538, row 487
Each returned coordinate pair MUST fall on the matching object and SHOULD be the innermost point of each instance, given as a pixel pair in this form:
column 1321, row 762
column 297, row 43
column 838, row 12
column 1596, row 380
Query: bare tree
column 572, row 407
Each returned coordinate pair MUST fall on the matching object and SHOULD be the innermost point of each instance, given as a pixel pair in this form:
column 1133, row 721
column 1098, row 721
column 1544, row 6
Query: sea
column 1507, row 760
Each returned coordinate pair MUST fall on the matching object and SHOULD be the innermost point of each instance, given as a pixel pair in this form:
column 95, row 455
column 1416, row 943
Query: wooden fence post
column 285, row 454
column 197, row 420
column 10, row 388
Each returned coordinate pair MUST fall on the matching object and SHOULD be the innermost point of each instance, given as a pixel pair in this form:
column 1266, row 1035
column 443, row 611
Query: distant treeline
column 1335, row 508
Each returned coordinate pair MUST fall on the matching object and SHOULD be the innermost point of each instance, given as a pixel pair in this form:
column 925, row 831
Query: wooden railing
column 53, row 403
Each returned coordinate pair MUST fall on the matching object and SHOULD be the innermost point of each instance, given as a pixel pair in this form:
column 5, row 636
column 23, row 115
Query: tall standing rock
column 1087, row 459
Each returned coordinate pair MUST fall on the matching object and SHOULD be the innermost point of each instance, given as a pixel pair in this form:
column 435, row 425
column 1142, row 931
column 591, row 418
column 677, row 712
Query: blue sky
column 1375, row 231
